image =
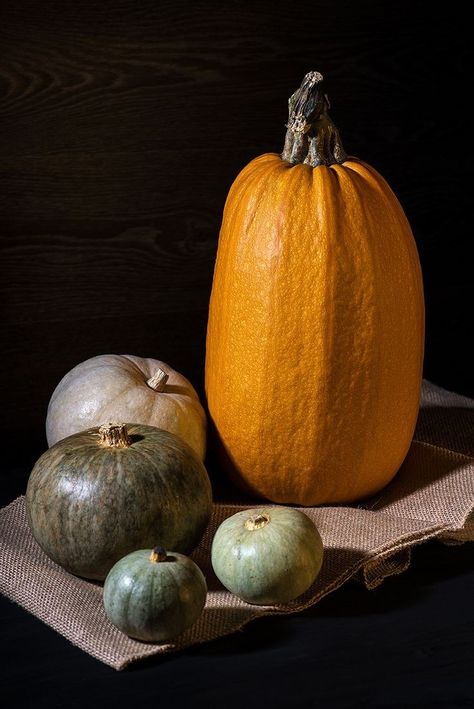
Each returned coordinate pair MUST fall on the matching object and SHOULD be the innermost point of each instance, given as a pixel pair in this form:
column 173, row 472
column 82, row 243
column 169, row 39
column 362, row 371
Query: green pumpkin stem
column 158, row 554
column 311, row 136
column 114, row 435
column 158, row 380
column 257, row 522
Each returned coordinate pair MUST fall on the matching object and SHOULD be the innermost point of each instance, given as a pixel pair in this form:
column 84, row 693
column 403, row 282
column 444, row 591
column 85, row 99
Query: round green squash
column 154, row 595
column 99, row 494
column 267, row 556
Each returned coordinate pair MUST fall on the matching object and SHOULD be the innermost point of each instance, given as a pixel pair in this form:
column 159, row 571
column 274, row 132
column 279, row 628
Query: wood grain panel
column 123, row 126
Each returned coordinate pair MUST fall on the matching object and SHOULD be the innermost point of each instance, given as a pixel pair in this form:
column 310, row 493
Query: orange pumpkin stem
column 311, row 137
column 114, row 435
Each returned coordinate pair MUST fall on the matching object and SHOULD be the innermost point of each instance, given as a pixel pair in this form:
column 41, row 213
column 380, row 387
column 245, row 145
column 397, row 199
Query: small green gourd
column 267, row 556
column 154, row 595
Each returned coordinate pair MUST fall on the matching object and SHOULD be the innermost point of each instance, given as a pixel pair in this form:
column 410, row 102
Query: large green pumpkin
column 154, row 595
column 100, row 494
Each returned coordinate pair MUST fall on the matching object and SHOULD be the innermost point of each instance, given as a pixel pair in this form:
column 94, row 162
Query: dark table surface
column 407, row 643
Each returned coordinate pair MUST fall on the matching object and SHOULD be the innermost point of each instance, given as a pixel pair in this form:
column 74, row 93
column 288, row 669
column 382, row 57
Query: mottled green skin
column 270, row 565
column 154, row 601
column 89, row 505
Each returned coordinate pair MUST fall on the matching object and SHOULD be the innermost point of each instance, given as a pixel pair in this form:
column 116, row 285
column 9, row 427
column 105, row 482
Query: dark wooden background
column 123, row 125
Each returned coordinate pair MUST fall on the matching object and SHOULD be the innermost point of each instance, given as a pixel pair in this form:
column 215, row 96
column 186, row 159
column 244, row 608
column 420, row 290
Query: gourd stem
column 114, row 435
column 158, row 554
column 311, row 136
column 158, row 380
column 257, row 522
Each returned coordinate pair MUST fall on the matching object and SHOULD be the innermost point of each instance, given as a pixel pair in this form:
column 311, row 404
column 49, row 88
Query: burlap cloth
column 432, row 496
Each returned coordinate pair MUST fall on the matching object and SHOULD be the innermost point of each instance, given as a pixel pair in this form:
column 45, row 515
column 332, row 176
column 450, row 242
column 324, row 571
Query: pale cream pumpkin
column 126, row 388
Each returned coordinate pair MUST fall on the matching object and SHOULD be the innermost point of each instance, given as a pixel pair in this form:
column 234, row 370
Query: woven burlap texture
column 431, row 496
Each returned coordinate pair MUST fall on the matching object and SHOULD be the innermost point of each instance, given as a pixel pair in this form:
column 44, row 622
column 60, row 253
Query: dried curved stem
column 311, row 136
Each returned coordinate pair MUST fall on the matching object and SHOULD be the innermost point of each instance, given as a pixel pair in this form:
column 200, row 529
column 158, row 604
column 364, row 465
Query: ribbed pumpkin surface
column 315, row 335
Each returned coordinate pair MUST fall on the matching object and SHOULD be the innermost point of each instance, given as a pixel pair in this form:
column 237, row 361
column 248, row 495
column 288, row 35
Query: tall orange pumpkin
column 316, row 322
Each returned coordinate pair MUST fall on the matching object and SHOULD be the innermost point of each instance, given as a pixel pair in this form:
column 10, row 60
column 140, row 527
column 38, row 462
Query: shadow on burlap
column 432, row 496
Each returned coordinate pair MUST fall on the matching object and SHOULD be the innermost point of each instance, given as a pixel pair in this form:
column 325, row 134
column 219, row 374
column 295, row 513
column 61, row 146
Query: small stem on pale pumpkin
column 158, row 554
column 257, row 522
column 158, row 380
column 311, row 136
column 114, row 435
